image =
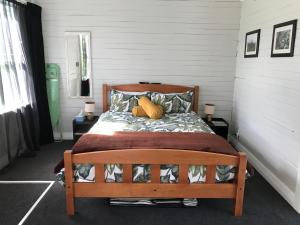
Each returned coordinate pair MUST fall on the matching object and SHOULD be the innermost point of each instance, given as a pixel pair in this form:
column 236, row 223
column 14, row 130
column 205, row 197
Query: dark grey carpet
column 20, row 197
column 263, row 205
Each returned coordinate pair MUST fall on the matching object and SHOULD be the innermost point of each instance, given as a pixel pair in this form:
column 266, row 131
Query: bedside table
column 220, row 128
column 81, row 128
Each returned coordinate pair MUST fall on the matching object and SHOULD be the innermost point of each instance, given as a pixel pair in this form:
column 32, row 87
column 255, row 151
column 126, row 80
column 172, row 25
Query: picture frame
column 252, row 40
column 283, row 40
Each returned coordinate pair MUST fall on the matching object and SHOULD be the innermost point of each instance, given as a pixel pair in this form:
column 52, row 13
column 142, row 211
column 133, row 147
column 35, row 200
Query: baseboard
column 63, row 136
column 277, row 184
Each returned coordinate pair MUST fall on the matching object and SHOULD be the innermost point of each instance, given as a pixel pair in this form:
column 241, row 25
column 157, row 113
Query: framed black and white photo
column 252, row 44
column 284, row 36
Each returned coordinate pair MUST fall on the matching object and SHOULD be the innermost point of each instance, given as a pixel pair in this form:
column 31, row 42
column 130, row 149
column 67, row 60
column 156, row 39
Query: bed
column 153, row 159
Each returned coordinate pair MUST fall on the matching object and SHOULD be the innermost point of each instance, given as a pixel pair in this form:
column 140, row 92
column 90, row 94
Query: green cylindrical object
column 52, row 80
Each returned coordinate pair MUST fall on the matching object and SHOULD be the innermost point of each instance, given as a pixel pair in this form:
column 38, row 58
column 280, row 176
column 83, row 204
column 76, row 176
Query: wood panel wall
column 267, row 93
column 179, row 42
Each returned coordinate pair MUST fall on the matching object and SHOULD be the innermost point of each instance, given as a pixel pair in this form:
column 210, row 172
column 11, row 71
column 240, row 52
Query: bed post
column 69, row 182
column 104, row 97
column 239, row 198
column 196, row 99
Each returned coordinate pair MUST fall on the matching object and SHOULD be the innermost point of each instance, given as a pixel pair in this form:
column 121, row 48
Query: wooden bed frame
column 155, row 189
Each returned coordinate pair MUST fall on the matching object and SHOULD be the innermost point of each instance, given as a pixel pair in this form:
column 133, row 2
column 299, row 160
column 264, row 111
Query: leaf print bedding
column 122, row 101
column 174, row 122
column 174, row 102
column 124, row 121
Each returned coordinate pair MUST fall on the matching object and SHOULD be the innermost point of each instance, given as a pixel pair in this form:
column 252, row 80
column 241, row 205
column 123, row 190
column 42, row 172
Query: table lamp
column 89, row 110
column 209, row 110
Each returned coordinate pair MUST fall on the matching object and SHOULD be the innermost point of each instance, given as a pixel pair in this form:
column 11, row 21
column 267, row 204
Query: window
column 14, row 81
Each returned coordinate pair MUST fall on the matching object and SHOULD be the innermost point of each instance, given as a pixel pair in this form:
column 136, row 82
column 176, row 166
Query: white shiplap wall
column 189, row 42
column 266, row 99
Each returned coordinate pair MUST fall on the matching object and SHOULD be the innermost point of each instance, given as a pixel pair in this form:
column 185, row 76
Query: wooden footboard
column 155, row 189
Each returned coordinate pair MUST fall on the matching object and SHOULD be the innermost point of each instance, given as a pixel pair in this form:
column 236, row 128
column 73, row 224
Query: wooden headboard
column 162, row 88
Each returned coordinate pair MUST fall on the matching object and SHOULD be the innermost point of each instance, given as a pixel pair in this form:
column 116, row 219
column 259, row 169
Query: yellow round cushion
column 139, row 111
column 152, row 110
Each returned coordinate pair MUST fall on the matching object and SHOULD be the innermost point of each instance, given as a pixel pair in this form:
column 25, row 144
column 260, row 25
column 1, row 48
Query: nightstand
column 81, row 128
column 219, row 126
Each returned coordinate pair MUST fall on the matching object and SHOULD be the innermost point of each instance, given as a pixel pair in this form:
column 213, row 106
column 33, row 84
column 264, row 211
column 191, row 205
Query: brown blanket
column 145, row 140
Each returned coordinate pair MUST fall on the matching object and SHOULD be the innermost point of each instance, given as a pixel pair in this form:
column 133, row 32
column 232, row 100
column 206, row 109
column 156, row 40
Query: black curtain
column 36, row 50
column 85, row 87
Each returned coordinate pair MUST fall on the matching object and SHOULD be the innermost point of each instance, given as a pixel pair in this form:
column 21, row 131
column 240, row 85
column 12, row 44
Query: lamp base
column 209, row 117
column 90, row 115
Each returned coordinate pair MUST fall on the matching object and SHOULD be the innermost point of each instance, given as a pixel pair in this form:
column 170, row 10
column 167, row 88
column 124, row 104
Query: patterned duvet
column 124, row 121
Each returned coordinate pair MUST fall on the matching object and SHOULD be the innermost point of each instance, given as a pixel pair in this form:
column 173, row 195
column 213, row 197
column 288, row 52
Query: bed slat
column 183, row 173
column 99, row 173
column 127, row 173
column 151, row 156
column 155, row 173
column 154, row 190
column 210, row 174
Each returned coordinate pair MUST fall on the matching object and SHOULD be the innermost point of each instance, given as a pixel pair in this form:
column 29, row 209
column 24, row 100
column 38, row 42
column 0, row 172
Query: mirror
column 78, row 53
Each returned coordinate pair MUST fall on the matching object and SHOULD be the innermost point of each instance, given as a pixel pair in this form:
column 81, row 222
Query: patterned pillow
column 122, row 101
column 174, row 102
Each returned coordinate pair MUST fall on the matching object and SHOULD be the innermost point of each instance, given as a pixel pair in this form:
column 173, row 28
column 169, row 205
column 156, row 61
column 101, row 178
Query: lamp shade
column 89, row 107
column 209, row 109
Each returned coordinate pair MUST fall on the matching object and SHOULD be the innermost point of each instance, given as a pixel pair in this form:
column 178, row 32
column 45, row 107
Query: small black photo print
column 252, row 44
column 284, row 36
